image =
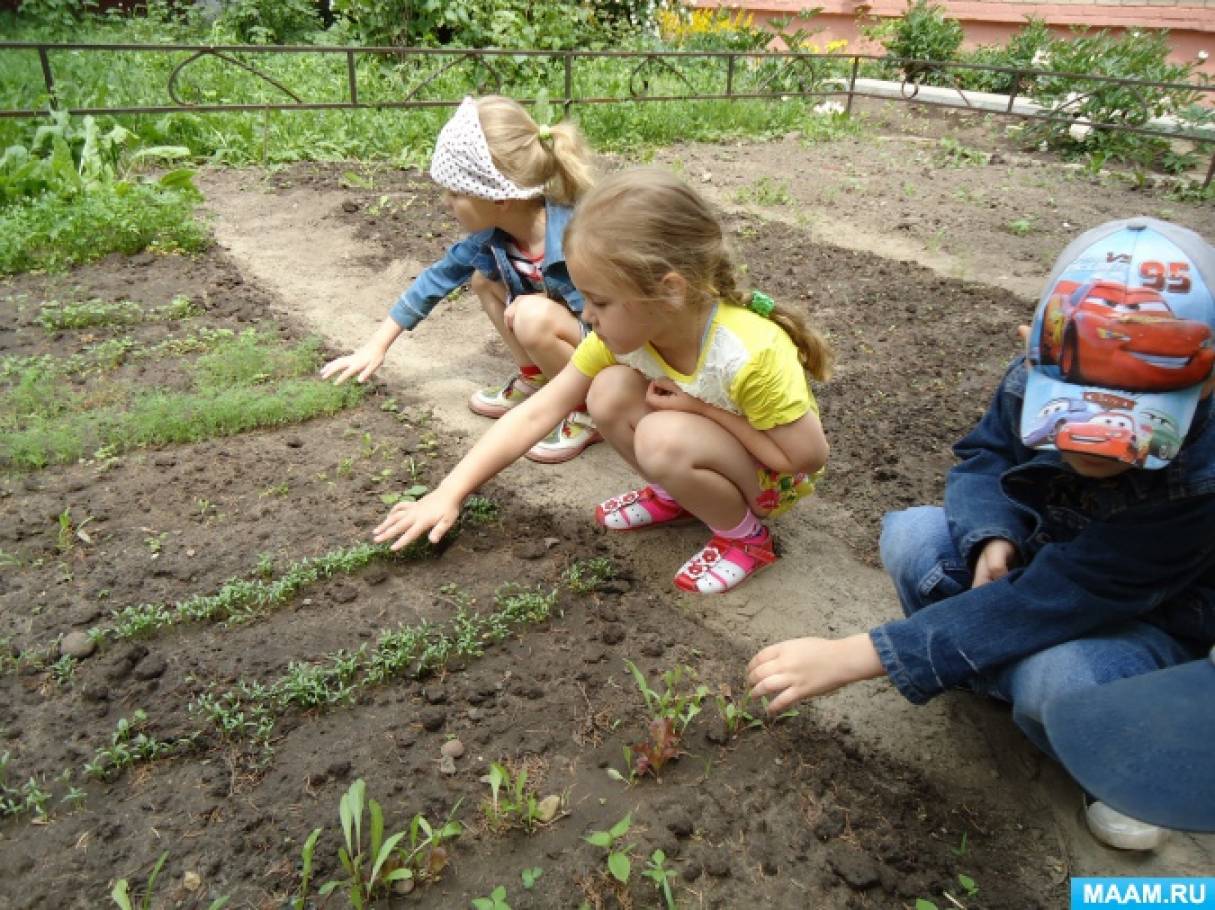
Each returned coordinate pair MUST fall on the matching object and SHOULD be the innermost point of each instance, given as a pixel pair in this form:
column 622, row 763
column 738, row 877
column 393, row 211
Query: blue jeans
column 919, row 553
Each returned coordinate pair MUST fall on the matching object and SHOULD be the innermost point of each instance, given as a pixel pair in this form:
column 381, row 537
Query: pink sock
column 661, row 493
column 750, row 526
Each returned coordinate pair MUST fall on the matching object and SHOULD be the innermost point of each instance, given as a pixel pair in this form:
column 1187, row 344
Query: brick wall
column 1191, row 23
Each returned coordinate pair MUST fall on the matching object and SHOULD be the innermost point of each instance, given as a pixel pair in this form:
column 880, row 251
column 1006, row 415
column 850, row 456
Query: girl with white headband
column 512, row 184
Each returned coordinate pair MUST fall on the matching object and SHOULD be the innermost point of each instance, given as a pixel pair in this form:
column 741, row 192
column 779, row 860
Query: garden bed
column 353, row 669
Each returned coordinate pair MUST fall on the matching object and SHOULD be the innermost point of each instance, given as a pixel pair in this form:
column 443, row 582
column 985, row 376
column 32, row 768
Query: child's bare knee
column 536, row 319
column 612, row 392
column 660, row 444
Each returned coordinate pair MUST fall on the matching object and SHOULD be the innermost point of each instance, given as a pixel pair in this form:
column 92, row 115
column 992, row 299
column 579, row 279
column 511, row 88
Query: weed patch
column 52, row 232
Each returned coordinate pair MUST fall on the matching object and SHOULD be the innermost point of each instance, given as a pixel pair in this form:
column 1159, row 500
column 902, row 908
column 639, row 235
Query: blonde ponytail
column 813, row 350
column 558, row 159
column 573, row 172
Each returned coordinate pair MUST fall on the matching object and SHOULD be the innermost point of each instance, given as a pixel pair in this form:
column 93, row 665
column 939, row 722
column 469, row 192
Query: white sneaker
column 567, row 440
column 1114, row 829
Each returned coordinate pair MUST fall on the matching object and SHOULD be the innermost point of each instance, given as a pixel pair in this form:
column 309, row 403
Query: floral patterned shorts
column 778, row 492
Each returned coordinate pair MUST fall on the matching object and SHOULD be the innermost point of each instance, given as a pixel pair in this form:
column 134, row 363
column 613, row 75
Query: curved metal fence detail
column 655, row 76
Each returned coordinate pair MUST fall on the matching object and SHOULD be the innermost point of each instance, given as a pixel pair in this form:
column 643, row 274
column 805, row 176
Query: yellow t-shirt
column 748, row 365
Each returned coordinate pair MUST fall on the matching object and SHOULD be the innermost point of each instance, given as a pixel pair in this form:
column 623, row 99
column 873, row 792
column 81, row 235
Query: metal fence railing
column 652, row 76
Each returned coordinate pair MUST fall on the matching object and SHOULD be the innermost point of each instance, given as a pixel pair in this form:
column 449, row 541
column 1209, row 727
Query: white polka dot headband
column 462, row 162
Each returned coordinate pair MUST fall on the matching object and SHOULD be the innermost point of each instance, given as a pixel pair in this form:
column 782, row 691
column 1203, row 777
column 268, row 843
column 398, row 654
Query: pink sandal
column 724, row 564
column 639, row 509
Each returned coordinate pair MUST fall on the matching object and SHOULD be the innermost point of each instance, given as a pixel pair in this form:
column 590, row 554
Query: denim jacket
column 485, row 252
column 1092, row 552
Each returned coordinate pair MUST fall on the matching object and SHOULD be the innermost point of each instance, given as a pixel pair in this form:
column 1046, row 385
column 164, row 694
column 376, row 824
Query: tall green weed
column 68, row 194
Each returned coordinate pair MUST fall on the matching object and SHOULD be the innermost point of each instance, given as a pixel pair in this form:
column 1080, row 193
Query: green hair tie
column 762, row 304
column 544, row 133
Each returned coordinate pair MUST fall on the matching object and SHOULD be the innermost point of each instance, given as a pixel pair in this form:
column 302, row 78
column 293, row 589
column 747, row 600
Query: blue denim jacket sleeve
column 455, row 268
column 975, row 503
column 1113, row 570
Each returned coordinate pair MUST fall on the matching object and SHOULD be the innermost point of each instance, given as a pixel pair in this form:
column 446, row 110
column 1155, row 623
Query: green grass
column 57, row 317
column 52, row 233
column 163, row 418
column 765, row 191
column 247, row 382
column 110, row 354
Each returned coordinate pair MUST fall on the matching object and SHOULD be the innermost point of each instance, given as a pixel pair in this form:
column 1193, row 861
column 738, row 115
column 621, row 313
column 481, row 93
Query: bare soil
column 861, row 801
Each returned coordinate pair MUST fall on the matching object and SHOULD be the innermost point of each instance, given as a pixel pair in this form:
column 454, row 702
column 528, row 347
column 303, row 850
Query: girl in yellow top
column 701, row 390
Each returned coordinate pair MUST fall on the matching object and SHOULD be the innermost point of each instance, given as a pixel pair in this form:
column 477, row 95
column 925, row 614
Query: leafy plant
column 56, row 16
column 661, row 875
column 63, row 671
column 531, row 876
column 155, row 543
column 265, row 566
column 587, row 575
column 300, row 901
column 734, row 714
column 29, row 798
column 510, row 801
column 411, row 495
column 479, row 510
column 67, row 192
column 670, row 711
column 1026, row 50
column 495, row 901
column 131, row 744
column 619, row 854
column 923, row 33
column 69, row 531
column 1084, row 105
column 504, row 23
column 372, row 867
column 266, row 21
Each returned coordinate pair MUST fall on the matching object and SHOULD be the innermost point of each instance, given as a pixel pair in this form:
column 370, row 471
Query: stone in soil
column 77, row 644
column 453, row 747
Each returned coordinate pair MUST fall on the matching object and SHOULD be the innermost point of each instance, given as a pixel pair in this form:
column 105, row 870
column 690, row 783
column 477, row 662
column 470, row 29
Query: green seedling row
column 166, row 418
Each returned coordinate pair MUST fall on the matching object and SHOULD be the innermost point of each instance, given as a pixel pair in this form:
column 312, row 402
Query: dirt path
column 294, row 243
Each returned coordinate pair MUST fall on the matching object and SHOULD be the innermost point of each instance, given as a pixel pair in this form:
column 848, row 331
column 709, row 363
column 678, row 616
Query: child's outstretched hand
column 361, row 364
column 435, row 512
column 664, row 395
column 804, row 667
